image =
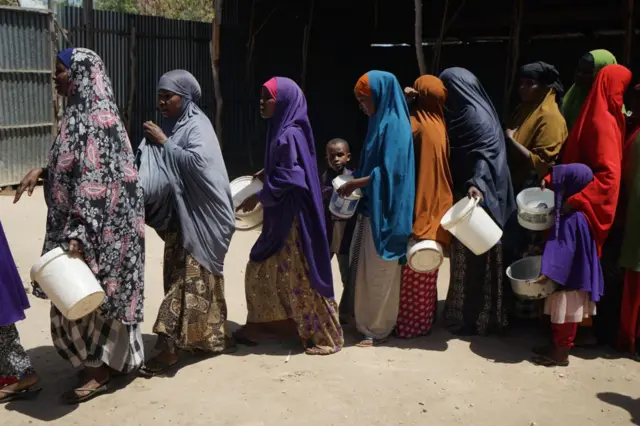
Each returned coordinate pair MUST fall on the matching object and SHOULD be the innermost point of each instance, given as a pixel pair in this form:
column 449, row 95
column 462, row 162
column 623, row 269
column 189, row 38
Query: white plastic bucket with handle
column 68, row 283
column 472, row 226
column 343, row 207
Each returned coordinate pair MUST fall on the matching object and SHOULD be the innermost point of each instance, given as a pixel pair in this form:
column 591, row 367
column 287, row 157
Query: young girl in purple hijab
column 570, row 259
column 288, row 280
column 18, row 380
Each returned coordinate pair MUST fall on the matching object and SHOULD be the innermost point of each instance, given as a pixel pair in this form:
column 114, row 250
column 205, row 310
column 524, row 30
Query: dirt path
column 437, row 380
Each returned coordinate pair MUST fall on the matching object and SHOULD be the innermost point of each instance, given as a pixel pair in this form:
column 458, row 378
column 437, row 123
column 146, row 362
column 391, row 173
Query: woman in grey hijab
column 188, row 201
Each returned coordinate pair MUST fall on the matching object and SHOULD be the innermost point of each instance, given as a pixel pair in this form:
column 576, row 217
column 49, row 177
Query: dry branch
column 512, row 61
column 215, row 51
column 435, row 64
column 422, row 65
column 305, row 45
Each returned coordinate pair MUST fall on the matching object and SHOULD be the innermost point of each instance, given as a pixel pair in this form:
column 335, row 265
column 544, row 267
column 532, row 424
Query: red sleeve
column 599, row 199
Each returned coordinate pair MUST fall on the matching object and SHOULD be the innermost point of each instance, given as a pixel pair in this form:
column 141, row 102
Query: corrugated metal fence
column 27, row 120
column 156, row 45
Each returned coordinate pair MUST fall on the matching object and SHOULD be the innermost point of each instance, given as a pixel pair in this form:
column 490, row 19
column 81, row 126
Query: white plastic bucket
column 68, row 283
column 241, row 189
column 343, row 207
column 472, row 226
column 424, row 256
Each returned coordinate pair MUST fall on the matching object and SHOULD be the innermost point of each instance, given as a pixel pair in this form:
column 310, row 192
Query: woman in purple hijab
column 570, row 259
column 18, row 380
column 288, row 280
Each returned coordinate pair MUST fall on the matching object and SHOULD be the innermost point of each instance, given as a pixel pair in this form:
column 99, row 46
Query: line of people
column 426, row 148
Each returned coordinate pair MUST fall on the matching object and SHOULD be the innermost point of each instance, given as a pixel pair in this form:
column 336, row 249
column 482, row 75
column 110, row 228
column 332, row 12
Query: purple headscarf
column 570, row 256
column 292, row 189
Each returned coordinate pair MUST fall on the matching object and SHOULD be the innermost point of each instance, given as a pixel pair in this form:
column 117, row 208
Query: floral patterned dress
column 93, row 196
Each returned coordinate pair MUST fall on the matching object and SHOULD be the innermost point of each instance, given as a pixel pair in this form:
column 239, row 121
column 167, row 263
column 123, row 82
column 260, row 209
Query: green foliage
column 9, row 3
column 191, row 10
column 123, row 6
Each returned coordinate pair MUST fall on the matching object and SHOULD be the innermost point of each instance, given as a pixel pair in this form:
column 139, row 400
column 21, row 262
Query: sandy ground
column 436, row 380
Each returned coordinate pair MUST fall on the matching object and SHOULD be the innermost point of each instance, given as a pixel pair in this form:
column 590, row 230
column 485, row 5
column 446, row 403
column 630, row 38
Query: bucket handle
column 476, row 201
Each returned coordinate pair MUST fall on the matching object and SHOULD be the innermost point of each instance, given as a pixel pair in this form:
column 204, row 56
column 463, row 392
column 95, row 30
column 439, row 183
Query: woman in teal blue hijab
column 385, row 217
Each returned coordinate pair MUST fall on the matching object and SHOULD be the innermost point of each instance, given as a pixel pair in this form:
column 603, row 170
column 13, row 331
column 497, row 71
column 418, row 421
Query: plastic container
column 343, row 207
column 472, row 226
column 241, row 189
column 535, row 209
column 523, row 275
column 424, row 256
column 68, row 283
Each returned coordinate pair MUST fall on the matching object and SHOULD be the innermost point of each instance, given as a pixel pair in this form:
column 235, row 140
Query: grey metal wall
column 26, row 97
column 161, row 45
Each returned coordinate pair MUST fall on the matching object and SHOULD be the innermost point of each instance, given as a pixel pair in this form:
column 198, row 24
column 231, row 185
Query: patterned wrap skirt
column 278, row 289
column 94, row 341
column 193, row 314
column 14, row 361
column 418, row 303
column 476, row 298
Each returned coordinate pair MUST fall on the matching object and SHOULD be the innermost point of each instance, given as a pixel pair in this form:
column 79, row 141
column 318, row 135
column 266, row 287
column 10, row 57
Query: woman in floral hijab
column 95, row 210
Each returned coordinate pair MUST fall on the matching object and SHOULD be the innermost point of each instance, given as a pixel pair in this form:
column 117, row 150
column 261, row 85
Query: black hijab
column 477, row 146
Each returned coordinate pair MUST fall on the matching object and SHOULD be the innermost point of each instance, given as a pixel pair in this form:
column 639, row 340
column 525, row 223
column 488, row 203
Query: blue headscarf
column 387, row 158
column 65, row 56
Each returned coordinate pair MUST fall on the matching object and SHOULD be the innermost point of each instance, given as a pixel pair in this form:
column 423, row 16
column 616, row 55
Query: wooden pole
column 435, row 63
column 87, row 18
column 215, row 56
column 422, row 66
column 631, row 32
column 133, row 75
column 512, row 62
column 305, row 45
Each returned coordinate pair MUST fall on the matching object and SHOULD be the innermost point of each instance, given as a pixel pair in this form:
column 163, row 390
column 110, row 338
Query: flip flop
column 24, row 394
column 369, row 342
column 71, row 397
column 155, row 368
column 545, row 361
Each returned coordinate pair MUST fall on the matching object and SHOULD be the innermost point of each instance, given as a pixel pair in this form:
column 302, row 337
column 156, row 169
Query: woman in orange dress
column 434, row 196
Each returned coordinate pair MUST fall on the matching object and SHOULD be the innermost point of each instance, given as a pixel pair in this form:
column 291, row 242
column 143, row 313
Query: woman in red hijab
column 596, row 140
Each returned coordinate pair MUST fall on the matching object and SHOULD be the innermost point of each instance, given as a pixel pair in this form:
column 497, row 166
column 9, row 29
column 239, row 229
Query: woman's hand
column 75, row 248
column 543, row 184
column 475, row 193
column 28, row 183
column 510, row 133
column 153, row 132
column 259, row 176
column 541, row 279
column 249, row 204
column 410, row 94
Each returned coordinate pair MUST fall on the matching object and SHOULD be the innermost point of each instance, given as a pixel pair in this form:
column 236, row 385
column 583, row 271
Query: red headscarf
column 596, row 139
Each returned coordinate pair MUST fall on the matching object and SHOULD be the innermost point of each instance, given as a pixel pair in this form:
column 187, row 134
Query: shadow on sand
column 623, row 401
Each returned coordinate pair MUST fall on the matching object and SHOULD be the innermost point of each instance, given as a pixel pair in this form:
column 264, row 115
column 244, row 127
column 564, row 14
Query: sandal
column 545, row 361
column 155, row 368
column 10, row 395
column 314, row 350
column 369, row 342
column 72, row 398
